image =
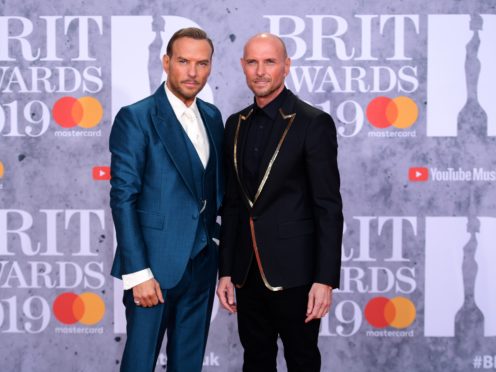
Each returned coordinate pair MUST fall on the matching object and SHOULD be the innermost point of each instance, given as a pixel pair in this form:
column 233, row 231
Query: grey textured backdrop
column 430, row 242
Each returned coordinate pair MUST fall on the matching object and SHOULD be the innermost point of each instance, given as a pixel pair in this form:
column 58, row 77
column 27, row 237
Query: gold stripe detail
column 289, row 117
column 259, row 262
column 246, row 275
column 236, row 135
column 274, row 156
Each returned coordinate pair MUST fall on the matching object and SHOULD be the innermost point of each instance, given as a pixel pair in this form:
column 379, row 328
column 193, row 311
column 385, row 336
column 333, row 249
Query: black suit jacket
column 293, row 228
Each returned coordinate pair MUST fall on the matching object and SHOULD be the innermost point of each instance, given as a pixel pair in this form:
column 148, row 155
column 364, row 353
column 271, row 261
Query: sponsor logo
column 64, row 267
column 422, row 174
column 400, row 112
column 361, row 69
column 387, row 113
column 101, row 173
column 85, row 112
column 461, row 175
column 33, row 67
column 398, row 312
column 418, row 174
column 87, row 308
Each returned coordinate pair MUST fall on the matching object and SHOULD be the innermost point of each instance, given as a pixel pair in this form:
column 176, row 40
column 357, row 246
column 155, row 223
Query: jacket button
column 194, row 216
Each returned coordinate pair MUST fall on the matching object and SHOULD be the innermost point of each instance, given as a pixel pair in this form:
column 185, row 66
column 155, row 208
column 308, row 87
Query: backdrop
column 409, row 84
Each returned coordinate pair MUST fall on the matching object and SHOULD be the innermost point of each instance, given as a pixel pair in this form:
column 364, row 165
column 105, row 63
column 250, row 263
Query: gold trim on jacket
column 251, row 203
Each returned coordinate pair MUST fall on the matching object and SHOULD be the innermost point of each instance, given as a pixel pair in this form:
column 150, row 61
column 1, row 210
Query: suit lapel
column 215, row 146
column 277, row 137
column 170, row 133
column 285, row 117
column 243, row 130
column 240, row 136
column 208, row 122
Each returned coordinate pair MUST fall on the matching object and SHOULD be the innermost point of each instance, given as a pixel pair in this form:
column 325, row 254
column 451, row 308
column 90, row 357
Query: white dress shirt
column 192, row 123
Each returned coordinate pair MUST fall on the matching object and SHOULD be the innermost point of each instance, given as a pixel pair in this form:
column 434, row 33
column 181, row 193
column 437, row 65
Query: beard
column 181, row 91
column 264, row 91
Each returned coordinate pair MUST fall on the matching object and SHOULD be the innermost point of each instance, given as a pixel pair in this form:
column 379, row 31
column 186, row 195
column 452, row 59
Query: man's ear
column 287, row 66
column 166, row 63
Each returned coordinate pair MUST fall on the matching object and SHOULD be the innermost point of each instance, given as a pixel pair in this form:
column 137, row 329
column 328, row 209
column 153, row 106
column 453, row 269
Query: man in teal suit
column 166, row 192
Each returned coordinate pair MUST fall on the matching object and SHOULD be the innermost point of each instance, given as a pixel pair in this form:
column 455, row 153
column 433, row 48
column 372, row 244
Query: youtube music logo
column 101, row 173
column 418, row 174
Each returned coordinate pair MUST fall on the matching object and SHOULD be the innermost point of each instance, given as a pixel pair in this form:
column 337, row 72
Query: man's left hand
column 319, row 301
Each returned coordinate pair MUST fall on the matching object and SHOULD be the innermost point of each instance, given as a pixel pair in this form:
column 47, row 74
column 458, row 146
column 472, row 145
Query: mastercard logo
column 86, row 308
column 2, row 169
column 398, row 312
column 400, row 112
column 85, row 112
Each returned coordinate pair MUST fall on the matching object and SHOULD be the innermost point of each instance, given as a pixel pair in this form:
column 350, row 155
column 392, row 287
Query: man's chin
column 189, row 93
column 262, row 93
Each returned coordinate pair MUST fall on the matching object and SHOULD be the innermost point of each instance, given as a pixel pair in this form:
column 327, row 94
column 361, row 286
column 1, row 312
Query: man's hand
column 319, row 301
column 148, row 294
column 225, row 292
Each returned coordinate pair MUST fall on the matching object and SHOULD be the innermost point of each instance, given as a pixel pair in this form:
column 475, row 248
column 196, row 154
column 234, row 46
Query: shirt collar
column 273, row 107
column 178, row 106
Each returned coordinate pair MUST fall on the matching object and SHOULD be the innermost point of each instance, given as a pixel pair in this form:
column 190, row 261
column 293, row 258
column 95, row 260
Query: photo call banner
column 410, row 85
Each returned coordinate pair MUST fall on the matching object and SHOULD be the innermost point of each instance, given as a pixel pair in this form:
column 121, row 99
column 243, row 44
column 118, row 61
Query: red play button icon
column 418, row 174
column 101, row 173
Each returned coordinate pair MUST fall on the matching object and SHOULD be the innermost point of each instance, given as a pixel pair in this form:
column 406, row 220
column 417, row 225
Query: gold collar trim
column 290, row 118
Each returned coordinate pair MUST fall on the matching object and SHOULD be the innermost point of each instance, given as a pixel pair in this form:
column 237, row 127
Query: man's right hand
column 225, row 292
column 148, row 293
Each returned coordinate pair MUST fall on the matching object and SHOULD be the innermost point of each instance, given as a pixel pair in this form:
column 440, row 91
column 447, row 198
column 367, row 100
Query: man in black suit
column 282, row 216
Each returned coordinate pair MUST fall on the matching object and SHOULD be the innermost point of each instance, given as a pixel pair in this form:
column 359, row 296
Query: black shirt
column 260, row 126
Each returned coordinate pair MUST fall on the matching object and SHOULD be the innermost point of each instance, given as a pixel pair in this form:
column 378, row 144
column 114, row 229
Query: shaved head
column 267, row 36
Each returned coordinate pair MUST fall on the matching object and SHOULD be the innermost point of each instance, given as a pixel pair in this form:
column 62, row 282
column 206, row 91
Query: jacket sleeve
column 231, row 205
column 128, row 156
column 323, row 175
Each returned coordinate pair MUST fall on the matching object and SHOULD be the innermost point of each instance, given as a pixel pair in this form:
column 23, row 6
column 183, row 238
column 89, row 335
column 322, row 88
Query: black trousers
column 264, row 315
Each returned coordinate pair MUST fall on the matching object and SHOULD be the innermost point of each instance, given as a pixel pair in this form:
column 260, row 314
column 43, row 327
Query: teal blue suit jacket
column 153, row 202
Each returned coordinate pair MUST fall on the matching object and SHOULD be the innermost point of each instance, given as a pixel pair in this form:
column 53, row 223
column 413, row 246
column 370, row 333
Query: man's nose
column 192, row 70
column 260, row 70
